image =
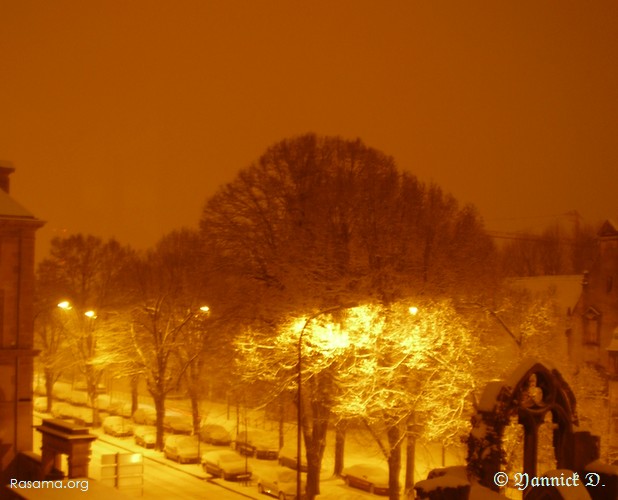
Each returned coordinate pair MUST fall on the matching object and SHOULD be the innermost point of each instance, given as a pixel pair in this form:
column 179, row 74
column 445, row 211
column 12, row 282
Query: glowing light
column 413, row 310
column 205, row 309
column 299, row 325
column 90, row 314
column 65, row 304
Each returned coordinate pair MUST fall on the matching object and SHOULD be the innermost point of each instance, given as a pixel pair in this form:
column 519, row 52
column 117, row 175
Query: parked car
column 79, row 398
column 182, row 449
column 258, row 444
column 281, row 483
column 81, row 415
column 121, row 408
column 61, row 393
column 178, row 424
column 226, row 464
column 371, row 478
column 145, row 416
column 82, row 386
column 117, row 426
column 62, row 410
column 215, row 434
column 288, row 457
column 40, row 404
column 145, row 436
column 103, row 402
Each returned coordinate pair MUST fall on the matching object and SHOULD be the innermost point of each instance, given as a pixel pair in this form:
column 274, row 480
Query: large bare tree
column 318, row 222
column 88, row 275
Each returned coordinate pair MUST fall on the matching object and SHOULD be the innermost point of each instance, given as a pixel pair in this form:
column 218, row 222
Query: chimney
column 6, row 169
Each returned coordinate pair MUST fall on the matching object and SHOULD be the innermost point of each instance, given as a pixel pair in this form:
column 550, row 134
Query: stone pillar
column 60, row 437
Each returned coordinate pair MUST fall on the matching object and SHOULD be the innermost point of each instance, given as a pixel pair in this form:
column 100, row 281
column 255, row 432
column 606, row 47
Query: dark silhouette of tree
column 317, row 222
column 90, row 275
column 555, row 250
column 320, row 219
column 169, row 298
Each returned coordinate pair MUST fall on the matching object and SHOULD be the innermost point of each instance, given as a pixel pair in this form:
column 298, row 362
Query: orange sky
column 122, row 117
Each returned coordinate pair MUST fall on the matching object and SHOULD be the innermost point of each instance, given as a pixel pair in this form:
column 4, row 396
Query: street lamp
column 299, row 392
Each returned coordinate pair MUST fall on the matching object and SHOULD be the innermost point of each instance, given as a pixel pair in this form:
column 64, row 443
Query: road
column 162, row 479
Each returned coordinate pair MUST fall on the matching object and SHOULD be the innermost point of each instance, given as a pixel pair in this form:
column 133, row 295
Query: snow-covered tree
column 404, row 375
column 409, row 375
column 88, row 275
column 322, row 220
column 169, row 298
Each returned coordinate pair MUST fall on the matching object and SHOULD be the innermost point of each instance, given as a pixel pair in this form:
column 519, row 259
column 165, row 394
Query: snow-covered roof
column 524, row 367
column 10, row 209
column 490, row 395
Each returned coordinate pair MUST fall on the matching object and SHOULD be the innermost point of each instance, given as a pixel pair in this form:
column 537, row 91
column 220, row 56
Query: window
column 592, row 326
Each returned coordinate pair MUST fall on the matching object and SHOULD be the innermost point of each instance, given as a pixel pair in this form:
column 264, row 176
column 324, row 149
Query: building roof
column 608, row 229
column 10, row 209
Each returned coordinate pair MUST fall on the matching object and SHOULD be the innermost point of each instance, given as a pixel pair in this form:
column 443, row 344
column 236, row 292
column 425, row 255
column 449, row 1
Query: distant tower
column 17, row 229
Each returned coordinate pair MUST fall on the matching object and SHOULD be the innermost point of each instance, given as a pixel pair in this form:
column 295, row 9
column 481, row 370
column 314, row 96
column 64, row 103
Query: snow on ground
column 360, row 448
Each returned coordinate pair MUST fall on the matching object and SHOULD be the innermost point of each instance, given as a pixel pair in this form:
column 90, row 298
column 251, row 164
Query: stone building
column 17, row 235
column 593, row 338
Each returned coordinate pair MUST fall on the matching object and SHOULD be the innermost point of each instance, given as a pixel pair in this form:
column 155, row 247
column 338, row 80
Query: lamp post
column 299, row 392
column 87, row 350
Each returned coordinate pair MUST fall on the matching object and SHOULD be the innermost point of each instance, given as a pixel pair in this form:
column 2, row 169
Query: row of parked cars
column 182, row 447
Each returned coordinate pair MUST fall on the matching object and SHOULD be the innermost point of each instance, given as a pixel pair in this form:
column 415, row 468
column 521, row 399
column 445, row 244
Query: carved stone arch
column 532, row 391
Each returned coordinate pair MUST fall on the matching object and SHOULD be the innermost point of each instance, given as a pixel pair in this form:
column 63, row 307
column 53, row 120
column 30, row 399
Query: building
column 17, row 235
column 593, row 339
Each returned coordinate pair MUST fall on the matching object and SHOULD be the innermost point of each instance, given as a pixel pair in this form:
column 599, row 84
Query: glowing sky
column 122, row 117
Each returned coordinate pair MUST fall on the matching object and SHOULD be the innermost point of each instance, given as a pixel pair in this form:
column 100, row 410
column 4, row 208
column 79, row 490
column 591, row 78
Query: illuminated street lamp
column 300, row 400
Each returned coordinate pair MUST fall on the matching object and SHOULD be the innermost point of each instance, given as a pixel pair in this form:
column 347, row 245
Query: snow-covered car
column 215, row 434
column 120, row 408
column 182, row 449
column 371, row 478
column 281, row 483
column 40, row 404
column 226, row 464
column 145, row 416
column 145, row 435
column 82, row 416
column 79, row 398
column 62, row 410
column 258, row 444
column 117, row 426
column 178, row 424
column 61, row 393
column 288, row 457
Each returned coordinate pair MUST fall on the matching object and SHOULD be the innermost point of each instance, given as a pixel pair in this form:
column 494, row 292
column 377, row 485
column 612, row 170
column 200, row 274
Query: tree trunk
column 340, row 432
column 281, row 424
column 134, row 393
column 195, row 413
column 49, row 389
column 394, row 462
column 314, row 430
column 410, row 462
column 159, row 401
